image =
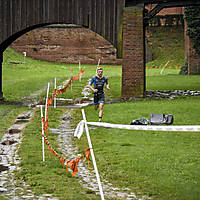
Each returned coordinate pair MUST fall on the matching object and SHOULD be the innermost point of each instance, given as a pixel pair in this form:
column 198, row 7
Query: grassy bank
column 23, row 79
column 167, row 45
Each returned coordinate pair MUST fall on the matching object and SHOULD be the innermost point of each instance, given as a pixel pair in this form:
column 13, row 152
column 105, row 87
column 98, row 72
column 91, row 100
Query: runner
column 98, row 90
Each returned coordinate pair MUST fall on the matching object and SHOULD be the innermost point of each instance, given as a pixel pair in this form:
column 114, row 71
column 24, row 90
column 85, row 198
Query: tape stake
column 55, row 96
column 164, row 67
column 92, row 155
column 43, row 155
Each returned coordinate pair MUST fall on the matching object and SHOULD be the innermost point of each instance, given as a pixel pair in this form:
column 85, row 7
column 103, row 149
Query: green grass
column 163, row 165
column 8, row 114
column 21, row 80
column 170, row 80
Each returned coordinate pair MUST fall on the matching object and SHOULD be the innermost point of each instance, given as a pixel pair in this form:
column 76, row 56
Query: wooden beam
column 1, row 63
column 130, row 3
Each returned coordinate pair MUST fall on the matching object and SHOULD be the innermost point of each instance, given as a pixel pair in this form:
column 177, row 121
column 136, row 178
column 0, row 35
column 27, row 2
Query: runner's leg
column 96, row 101
column 101, row 111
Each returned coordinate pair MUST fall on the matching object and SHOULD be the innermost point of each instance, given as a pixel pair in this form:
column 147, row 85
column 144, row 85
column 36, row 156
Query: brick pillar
column 191, row 57
column 1, row 63
column 133, row 70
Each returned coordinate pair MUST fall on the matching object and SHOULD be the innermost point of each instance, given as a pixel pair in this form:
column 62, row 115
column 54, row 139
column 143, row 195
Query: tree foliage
column 192, row 17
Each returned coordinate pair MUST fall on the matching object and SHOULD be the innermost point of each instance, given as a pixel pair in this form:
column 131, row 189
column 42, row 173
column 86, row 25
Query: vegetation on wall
column 166, row 20
column 192, row 17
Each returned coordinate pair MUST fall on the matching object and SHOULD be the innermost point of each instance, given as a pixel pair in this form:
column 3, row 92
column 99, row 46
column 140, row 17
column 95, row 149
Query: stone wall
column 66, row 44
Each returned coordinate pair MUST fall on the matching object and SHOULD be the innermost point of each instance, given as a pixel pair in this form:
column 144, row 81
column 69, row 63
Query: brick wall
column 66, row 45
column 167, row 11
column 191, row 56
column 133, row 74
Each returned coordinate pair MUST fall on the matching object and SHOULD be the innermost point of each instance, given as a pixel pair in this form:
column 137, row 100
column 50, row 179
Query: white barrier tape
column 193, row 128
column 79, row 129
column 186, row 128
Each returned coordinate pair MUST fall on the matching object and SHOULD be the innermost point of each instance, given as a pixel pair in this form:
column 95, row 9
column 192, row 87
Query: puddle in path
column 3, row 168
column 8, row 142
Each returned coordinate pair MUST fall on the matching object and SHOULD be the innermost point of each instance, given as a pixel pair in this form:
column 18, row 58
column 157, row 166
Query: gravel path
column 10, row 160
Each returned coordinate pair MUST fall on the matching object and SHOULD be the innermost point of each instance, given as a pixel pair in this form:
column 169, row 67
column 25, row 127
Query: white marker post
column 46, row 102
column 164, row 67
column 79, row 70
column 98, row 63
column 24, row 54
column 43, row 156
column 92, row 154
column 71, row 76
column 55, row 96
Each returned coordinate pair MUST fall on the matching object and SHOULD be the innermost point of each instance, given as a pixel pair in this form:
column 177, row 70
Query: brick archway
column 66, row 43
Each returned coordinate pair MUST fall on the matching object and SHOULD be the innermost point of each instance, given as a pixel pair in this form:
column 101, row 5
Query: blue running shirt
column 99, row 83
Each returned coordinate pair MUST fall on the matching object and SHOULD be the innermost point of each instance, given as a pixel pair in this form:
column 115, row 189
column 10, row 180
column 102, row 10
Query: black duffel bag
column 157, row 119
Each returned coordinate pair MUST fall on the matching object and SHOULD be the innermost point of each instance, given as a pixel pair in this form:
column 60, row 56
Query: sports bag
column 157, row 119
column 140, row 121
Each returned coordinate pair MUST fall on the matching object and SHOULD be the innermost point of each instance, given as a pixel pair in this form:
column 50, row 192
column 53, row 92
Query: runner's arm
column 94, row 90
column 108, row 86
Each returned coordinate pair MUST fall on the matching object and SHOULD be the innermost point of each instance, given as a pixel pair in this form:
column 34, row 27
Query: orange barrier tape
column 73, row 164
column 87, row 155
column 44, row 125
column 55, row 92
column 156, row 67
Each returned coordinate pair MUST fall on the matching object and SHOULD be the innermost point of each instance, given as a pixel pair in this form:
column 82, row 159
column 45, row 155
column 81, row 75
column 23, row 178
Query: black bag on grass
column 157, row 119
column 141, row 121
